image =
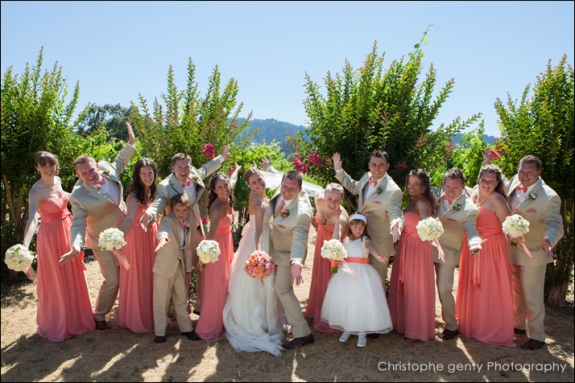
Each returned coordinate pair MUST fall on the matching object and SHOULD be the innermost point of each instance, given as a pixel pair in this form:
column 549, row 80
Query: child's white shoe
column 344, row 337
column 361, row 341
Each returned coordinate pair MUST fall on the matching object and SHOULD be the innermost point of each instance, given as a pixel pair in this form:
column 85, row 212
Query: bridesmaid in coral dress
column 412, row 288
column 64, row 307
column 332, row 221
column 135, row 308
column 484, row 303
column 216, row 276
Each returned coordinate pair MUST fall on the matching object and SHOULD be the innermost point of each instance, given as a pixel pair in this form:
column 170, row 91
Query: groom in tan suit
column 540, row 205
column 288, row 248
column 98, row 204
column 380, row 202
column 457, row 215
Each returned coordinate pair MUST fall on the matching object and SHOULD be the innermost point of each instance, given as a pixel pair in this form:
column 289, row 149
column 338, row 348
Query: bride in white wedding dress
column 251, row 313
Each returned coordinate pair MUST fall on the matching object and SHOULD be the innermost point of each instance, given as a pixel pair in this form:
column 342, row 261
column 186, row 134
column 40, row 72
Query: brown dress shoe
column 191, row 335
column 448, row 334
column 159, row 339
column 102, row 325
column 532, row 344
column 298, row 342
column 519, row 331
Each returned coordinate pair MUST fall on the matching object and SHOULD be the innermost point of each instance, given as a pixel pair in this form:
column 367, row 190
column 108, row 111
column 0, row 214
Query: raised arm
column 214, row 164
column 234, row 176
column 345, row 180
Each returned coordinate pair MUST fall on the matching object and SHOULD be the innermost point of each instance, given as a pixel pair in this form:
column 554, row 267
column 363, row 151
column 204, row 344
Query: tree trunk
column 557, row 295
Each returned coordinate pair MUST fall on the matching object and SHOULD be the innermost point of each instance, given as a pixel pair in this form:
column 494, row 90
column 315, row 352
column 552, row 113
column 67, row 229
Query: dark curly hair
column 426, row 182
column 213, row 196
column 137, row 187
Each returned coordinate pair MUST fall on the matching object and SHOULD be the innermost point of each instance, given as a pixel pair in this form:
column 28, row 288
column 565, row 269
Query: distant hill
column 271, row 129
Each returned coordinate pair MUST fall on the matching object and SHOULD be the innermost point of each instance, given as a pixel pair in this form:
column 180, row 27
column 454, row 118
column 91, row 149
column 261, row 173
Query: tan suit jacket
column 382, row 210
column 170, row 186
column 288, row 238
column 544, row 216
column 173, row 252
column 93, row 212
column 457, row 223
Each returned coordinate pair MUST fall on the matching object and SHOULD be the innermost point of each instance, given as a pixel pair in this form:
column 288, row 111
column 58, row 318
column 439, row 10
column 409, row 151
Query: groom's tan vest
column 93, row 212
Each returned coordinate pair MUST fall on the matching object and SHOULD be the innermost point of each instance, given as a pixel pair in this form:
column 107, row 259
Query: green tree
column 377, row 108
column 112, row 117
column 189, row 121
column 468, row 154
column 35, row 116
column 543, row 126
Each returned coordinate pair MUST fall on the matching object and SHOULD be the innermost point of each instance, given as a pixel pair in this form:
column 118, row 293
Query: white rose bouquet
column 334, row 251
column 18, row 258
column 515, row 226
column 113, row 240
column 208, row 252
column 430, row 229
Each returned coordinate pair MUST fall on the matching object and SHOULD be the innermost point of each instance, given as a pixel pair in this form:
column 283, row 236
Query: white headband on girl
column 359, row 217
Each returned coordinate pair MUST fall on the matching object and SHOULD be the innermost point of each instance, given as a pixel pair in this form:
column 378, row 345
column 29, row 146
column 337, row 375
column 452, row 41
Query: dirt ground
column 120, row 355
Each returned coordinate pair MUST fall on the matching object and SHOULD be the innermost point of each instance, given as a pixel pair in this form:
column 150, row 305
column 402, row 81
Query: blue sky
column 120, row 49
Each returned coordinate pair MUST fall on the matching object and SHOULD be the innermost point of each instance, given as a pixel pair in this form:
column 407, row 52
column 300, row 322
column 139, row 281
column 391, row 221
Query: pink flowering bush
column 209, row 151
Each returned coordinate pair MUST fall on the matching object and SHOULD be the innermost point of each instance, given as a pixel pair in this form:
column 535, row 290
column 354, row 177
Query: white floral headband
column 359, row 217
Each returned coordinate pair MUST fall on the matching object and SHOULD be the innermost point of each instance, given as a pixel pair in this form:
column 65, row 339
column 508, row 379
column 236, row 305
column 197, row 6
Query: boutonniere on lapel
column 284, row 213
column 379, row 190
column 532, row 196
column 195, row 177
column 105, row 172
column 456, row 207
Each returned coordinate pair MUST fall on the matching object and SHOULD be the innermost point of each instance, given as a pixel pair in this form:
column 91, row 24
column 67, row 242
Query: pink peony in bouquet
column 259, row 265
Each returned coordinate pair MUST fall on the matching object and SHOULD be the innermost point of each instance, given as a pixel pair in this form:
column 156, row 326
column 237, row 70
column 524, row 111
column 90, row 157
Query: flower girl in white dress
column 355, row 300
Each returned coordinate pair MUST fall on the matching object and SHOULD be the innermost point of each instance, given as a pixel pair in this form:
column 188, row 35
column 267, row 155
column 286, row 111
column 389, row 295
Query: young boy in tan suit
column 173, row 269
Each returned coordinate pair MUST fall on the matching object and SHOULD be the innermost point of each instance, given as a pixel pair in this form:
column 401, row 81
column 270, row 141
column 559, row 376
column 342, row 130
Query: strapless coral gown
column 135, row 309
column 214, row 283
column 484, row 304
column 64, row 306
column 412, row 288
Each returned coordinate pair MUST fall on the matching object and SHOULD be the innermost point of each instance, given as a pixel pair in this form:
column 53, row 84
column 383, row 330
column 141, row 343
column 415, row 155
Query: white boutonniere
column 532, row 196
column 456, row 207
column 379, row 190
column 195, row 177
column 106, row 172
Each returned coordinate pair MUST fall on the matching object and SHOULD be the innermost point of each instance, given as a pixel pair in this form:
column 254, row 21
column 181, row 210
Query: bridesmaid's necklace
column 326, row 217
column 480, row 202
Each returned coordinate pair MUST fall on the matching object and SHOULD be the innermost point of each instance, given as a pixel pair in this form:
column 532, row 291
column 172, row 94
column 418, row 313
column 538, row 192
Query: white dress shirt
column 519, row 196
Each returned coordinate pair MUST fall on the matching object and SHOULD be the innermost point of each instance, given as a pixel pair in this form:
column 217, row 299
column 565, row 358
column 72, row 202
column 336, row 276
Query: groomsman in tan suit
column 288, row 248
column 457, row 215
column 173, row 269
column 97, row 204
column 185, row 179
column 532, row 199
column 380, row 202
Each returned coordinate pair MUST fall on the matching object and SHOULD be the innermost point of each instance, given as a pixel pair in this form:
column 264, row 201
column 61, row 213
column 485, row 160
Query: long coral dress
column 64, row 306
column 484, row 304
column 214, row 283
column 321, row 274
column 135, row 309
column 412, row 288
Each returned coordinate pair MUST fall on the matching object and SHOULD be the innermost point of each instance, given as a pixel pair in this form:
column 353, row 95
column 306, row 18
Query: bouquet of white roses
column 18, row 258
column 112, row 239
column 430, row 229
column 208, row 251
column 334, row 251
column 515, row 226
